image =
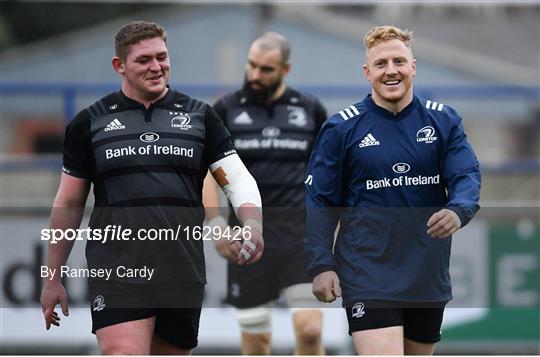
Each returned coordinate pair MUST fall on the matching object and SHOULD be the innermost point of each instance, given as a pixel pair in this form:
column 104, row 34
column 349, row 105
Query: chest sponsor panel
column 402, row 181
column 291, row 143
column 397, row 161
column 125, row 138
column 135, row 152
column 158, row 142
column 284, row 128
column 272, row 141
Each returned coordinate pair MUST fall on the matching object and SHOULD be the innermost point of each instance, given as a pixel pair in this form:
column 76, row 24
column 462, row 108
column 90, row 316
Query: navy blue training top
column 382, row 176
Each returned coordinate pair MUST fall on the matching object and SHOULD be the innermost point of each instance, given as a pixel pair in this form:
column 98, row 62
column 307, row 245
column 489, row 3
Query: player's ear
column 366, row 71
column 118, row 65
column 414, row 67
column 286, row 68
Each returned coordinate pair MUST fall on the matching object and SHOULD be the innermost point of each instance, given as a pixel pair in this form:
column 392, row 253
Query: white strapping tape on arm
column 241, row 187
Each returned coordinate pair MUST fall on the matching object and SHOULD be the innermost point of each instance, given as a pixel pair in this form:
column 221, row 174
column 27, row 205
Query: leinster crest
column 181, row 122
column 358, row 310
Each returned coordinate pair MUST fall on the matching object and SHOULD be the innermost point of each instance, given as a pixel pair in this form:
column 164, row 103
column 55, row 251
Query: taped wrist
column 253, row 224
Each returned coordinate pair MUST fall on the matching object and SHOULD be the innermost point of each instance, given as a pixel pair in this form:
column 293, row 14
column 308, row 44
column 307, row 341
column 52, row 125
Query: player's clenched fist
column 326, row 286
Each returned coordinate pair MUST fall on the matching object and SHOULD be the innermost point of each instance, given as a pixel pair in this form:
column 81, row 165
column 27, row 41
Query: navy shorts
column 421, row 321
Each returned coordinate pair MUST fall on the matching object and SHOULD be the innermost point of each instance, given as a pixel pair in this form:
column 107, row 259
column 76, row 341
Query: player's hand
column 443, row 224
column 228, row 248
column 252, row 249
column 53, row 292
column 326, row 286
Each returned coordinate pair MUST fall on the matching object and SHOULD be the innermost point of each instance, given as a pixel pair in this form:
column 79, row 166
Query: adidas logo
column 115, row 125
column 243, row 118
column 369, row 140
column 434, row 105
column 349, row 112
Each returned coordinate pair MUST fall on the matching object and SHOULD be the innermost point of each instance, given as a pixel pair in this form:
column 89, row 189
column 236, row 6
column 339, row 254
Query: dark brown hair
column 133, row 32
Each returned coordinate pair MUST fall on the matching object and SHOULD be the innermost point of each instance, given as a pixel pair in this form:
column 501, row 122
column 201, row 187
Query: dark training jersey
column 147, row 167
column 382, row 176
column 274, row 142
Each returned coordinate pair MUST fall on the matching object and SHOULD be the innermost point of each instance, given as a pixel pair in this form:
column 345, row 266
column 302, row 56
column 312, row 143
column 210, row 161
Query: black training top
column 274, row 142
column 147, row 167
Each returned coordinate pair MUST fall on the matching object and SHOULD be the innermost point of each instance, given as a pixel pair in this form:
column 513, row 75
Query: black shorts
column 176, row 306
column 259, row 283
column 421, row 321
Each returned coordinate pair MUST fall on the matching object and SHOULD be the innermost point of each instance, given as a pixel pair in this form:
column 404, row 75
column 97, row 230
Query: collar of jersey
column 284, row 99
column 368, row 101
column 134, row 103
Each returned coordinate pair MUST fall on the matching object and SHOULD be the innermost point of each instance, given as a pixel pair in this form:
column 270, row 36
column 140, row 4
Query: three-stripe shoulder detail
column 97, row 109
column 349, row 112
column 434, row 105
column 194, row 105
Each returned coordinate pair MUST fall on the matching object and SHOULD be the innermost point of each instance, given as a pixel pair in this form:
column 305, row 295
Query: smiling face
column 390, row 69
column 145, row 71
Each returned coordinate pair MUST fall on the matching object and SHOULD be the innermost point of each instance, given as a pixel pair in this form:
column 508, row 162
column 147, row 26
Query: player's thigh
column 129, row 338
column 376, row 327
column 380, row 341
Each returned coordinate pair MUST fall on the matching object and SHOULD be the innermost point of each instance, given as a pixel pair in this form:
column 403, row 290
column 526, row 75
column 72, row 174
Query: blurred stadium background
column 481, row 58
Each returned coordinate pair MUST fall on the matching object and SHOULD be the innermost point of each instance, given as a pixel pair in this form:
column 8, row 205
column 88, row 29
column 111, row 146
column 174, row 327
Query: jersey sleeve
column 462, row 174
column 324, row 186
column 218, row 141
column 76, row 149
column 221, row 109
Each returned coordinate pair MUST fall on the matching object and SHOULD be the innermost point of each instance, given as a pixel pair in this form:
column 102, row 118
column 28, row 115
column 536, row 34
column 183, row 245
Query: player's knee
column 308, row 327
column 309, row 333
